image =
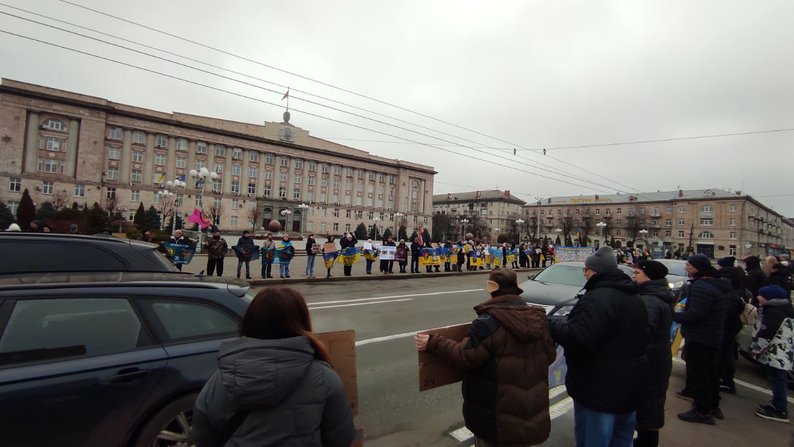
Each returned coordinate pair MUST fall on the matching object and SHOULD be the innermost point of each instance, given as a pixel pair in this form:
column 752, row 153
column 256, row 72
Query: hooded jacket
column 773, row 335
column 605, row 337
column 755, row 276
column 703, row 319
column 658, row 300
column 293, row 398
column 734, row 302
column 507, row 353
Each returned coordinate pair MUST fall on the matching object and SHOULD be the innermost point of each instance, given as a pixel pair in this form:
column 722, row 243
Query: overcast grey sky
column 522, row 74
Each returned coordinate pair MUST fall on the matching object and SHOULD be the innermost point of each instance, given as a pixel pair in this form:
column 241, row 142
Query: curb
column 373, row 277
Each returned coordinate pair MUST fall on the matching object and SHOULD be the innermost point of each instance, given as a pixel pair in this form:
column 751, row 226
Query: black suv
column 97, row 359
column 50, row 252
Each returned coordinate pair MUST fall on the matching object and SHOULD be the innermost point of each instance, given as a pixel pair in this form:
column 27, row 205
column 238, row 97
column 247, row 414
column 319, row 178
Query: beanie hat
column 773, row 292
column 602, row 260
column 14, row 227
column 507, row 281
column 653, row 269
column 700, row 262
column 727, row 261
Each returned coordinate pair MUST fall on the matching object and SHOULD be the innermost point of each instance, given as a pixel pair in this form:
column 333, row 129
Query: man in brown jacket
column 507, row 353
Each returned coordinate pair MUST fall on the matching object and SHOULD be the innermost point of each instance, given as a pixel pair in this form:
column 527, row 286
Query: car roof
column 73, row 237
column 116, row 279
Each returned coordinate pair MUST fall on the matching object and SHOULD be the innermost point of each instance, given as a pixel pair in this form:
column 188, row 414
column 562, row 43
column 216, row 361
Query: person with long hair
column 276, row 370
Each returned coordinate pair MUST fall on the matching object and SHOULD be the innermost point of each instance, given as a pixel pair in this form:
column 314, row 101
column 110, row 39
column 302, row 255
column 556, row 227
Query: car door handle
column 128, row 375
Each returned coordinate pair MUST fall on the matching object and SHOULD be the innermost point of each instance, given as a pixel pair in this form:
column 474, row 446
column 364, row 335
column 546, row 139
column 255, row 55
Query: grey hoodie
column 294, row 399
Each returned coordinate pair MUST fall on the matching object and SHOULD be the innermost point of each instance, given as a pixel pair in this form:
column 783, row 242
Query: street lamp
column 644, row 233
column 200, row 177
column 537, row 217
column 603, row 226
column 463, row 223
column 519, row 221
column 558, row 231
column 171, row 186
column 304, row 209
column 397, row 217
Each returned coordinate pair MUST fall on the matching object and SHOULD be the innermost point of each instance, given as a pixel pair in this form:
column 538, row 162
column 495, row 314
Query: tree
column 387, row 234
column 585, row 228
column 6, row 217
column 414, row 236
column 46, row 212
column 426, row 236
column 26, row 212
column 566, row 224
column 96, row 219
column 402, row 233
column 440, row 227
column 361, row 231
column 59, row 200
column 140, row 217
column 254, row 213
column 152, row 218
column 374, row 233
column 216, row 212
column 633, row 226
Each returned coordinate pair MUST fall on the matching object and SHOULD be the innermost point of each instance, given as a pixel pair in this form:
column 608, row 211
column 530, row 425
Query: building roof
column 493, row 195
column 643, row 197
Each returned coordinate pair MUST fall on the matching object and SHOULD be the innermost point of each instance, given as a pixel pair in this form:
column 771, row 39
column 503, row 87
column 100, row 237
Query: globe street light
column 304, row 209
column 397, row 217
column 603, row 226
column 200, row 178
column 175, row 185
column 463, row 223
column 644, row 233
column 558, row 231
column 519, row 221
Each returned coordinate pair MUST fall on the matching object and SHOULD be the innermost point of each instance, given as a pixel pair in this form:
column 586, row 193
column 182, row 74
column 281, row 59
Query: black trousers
column 728, row 354
column 414, row 264
column 213, row 264
column 267, row 268
column 702, row 374
column 347, row 270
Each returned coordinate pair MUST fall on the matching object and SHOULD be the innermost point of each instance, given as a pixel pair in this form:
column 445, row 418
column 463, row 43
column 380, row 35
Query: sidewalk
column 298, row 266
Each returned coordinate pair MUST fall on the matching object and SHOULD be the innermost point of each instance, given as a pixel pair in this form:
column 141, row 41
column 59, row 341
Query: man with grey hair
column 605, row 340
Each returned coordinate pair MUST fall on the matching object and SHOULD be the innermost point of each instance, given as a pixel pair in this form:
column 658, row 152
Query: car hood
column 549, row 294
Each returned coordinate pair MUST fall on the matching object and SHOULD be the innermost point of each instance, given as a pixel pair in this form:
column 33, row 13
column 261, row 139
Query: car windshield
column 562, row 274
column 674, row 268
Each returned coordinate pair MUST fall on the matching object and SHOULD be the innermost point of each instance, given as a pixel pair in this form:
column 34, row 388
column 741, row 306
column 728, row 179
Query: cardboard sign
column 387, row 252
column 434, row 372
column 316, row 249
column 342, row 350
column 329, row 247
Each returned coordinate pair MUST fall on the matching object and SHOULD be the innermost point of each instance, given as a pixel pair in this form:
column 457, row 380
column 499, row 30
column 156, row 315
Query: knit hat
column 700, row 262
column 773, row 292
column 653, row 269
column 14, row 227
column 506, row 280
column 602, row 261
column 726, row 261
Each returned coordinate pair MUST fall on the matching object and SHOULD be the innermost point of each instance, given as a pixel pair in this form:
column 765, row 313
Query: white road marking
column 743, row 383
column 403, row 335
column 560, row 408
column 394, row 296
column 360, row 304
column 462, row 434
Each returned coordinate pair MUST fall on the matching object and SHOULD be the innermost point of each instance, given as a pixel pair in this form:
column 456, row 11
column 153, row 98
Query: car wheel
column 170, row 427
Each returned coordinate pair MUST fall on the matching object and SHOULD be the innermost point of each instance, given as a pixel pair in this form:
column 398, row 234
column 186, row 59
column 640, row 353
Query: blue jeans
column 777, row 381
column 597, row 429
column 369, row 265
column 283, row 269
column 310, row 265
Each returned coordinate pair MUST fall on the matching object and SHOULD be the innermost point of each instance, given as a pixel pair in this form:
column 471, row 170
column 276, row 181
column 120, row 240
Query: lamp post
column 304, row 209
column 519, row 221
column 200, row 177
column 537, row 220
column 397, row 217
column 496, row 231
column 171, row 186
column 463, row 223
column 644, row 234
column 286, row 213
column 602, row 226
column 558, row 231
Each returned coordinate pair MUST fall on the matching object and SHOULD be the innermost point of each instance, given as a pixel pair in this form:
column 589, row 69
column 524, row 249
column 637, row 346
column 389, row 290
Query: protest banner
column 247, row 252
column 387, row 253
column 179, row 254
column 567, row 254
column 349, row 256
column 316, row 249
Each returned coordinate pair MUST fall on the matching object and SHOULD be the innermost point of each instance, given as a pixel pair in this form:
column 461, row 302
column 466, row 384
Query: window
column 71, row 328
column 237, row 153
column 298, row 179
column 13, row 205
column 15, row 184
column 268, row 174
column 732, row 208
column 181, row 144
column 668, row 210
column 135, row 195
column 114, row 153
column 199, row 202
column 114, row 133
column 137, row 156
column 252, row 188
column 79, row 190
column 252, row 171
column 253, row 156
column 236, row 168
column 707, row 208
column 336, row 212
column 296, row 194
column 667, row 233
column 282, row 192
column 136, row 176
column 219, row 167
column 235, row 204
column 138, row 137
column 201, row 147
column 46, row 187
column 161, row 141
column 110, row 194
column 732, row 235
column 181, row 162
column 680, row 234
column 617, row 232
column 298, row 164
column 113, row 173
column 267, row 191
column 732, row 221
column 187, row 320
column 336, row 226
column 53, row 144
column 681, row 209
column 233, row 221
column 668, row 222
column 217, row 184
column 324, row 168
column 347, row 227
column 349, row 172
column 285, row 161
column 53, row 124
column 337, row 169
column 619, row 211
column 283, row 176
column 324, row 182
column 269, row 158
column 220, row 150
column 707, row 221
column 732, row 250
column 312, row 166
column 235, row 187
column 681, row 222
column 159, row 159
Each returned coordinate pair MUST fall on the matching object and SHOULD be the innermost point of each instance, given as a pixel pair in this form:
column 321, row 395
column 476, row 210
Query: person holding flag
column 268, row 254
column 330, row 253
column 285, row 251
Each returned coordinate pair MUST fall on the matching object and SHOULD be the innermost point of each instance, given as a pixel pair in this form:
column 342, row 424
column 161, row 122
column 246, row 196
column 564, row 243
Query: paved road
column 385, row 314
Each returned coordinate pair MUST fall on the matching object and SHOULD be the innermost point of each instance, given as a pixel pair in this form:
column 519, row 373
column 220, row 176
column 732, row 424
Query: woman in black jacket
column 658, row 299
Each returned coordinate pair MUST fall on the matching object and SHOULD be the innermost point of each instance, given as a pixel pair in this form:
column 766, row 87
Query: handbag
column 749, row 314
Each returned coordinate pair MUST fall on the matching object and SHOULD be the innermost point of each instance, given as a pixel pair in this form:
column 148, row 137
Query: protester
column 34, row 227
column 416, row 249
column 605, row 338
column 734, row 300
column 274, row 384
column 777, row 274
column 268, row 255
column 773, row 347
column 73, row 229
column 370, row 254
column 178, row 238
column 285, row 253
column 46, row 229
column 755, row 276
column 387, row 265
column 461, row 256
column 348, row 241
column 401, row 254
column 310, row 256
column 655, row 293
column 506, row 355
column 330, row 241
column 147, row 235
column 245, row 246
column 447, row 263
column 702, row 322
column 216, row 251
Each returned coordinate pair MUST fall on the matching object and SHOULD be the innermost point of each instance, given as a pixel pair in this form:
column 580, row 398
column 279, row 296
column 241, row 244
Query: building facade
column 714, row 222
column 68, row 147
column 485, row 214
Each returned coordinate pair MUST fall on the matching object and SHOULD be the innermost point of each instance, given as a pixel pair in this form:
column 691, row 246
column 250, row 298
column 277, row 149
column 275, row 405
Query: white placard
column 387, row 253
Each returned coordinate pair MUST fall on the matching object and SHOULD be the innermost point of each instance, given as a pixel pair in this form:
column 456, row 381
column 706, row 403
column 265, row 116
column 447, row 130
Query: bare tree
column 633, row 226
column 215, row 212
column 166, row 206
column 585, row 227
column 254, row 213
column 59, row 200
column 566, row 224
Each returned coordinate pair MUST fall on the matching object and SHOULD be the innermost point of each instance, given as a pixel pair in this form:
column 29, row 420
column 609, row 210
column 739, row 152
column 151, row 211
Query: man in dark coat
column 605, row 337
column 506, row 355
column 733, row 324
column 658, row 299
column 702, row 325
column 755, row 276
column 416, row 248
column 244, row 248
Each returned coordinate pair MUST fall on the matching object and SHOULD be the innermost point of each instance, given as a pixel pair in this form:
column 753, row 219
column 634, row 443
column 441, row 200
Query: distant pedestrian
column 506, row 355
column 268, row 256
column 34, row 227
column 46, row 229
column 416, row 249
column 311, row 254
column 605, row 338
column 147, row 236
column 216, row 251
column 328, row 264
column 370, row 254
column 73, row 229
column 244, row 248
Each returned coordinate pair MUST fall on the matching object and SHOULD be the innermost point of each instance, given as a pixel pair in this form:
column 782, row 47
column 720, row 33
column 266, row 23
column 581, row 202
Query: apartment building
column 71, row 147
column 712, row 221
column 485, row 214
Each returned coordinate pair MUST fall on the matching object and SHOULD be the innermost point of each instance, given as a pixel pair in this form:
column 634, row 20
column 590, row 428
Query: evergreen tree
column 26, row 212
column 46, row 212
column 413, row 237
column 387, row 234
column 402, row 233
column 140, row 217
column 96, row 219
column 6, row 217
column 374, row 233
column 361, row 231
column 152, row 218
column 426, row 236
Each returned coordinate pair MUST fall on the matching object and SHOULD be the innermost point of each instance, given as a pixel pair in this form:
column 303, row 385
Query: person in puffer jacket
column 506, row 354
column 274, row 385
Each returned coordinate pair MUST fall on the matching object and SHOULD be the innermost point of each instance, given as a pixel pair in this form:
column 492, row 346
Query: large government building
column 485, row 214
column 77, row 148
